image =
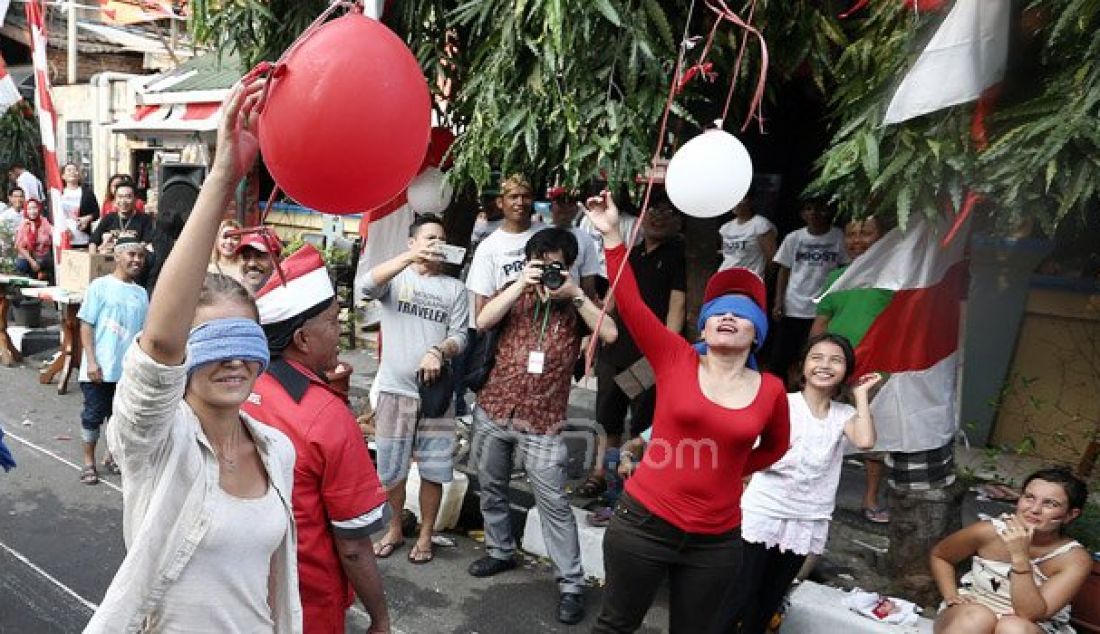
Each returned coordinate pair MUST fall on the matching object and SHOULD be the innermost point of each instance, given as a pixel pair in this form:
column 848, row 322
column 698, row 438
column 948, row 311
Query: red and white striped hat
column 306, row 285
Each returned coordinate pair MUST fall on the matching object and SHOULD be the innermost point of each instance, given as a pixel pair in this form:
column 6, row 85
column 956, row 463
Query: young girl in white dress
column 787, row 507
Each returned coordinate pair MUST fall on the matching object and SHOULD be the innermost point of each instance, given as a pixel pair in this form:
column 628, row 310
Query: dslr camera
column 553, row 275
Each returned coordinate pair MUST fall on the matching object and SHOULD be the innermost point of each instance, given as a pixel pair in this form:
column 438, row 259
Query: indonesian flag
column 9, row 94
column 965, row 56
column 913, row 289
column 47, row 122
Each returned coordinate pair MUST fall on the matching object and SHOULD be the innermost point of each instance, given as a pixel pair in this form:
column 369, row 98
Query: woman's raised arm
column 176, row 296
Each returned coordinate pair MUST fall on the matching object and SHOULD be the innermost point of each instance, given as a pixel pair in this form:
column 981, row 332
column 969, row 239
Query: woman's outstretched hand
column 604, row 215
column 238, row 143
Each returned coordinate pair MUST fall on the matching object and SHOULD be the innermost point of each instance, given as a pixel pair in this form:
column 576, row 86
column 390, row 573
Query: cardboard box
column 79, row 268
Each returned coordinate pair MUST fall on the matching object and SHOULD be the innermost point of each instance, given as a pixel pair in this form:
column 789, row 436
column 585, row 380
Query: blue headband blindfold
column 742, row 307
column 224, row 339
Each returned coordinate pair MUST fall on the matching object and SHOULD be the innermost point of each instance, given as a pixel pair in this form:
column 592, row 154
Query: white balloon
column 709, row 174
column 429, row 192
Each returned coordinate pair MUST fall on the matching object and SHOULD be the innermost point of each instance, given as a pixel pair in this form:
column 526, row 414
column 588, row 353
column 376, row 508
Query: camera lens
column 552, row 277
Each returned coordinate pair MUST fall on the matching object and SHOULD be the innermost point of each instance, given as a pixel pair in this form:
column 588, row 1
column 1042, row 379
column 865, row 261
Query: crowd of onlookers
column 84, row 224
column 251, row 502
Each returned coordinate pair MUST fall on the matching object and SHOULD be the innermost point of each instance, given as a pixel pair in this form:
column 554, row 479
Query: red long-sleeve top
column 691, row 473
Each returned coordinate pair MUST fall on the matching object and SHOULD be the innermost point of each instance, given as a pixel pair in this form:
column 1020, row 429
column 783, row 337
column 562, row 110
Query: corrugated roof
column 205, row 72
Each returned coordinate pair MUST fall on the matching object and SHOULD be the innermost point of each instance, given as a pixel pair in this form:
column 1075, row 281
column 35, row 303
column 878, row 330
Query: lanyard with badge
column 536, row 360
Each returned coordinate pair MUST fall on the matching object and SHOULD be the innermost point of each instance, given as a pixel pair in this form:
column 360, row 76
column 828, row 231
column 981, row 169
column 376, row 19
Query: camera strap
column 545, row 319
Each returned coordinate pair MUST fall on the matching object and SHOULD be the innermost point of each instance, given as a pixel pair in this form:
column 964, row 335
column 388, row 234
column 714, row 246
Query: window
column 78, row 135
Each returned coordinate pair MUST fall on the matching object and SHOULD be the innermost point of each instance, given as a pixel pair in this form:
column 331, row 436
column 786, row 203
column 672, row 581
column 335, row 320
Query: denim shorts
column 97, row 404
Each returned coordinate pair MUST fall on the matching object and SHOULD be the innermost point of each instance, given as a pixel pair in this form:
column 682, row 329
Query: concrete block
column 33, row 341
column 591, row 539
column 818, row 609
column 449, row 508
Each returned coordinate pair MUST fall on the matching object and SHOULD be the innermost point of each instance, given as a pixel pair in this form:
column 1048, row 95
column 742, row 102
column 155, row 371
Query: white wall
column 102, row 106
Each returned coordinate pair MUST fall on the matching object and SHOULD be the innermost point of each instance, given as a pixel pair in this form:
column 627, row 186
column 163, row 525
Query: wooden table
column 9, row 355
column 69, row 358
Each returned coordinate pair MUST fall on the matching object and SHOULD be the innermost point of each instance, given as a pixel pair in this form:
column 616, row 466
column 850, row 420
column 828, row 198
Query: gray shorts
column 401, row 435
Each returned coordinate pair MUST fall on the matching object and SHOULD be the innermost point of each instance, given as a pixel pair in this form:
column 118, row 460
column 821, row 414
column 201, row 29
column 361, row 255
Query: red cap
column 262, row 241
column 556, row 192
column 737, row 280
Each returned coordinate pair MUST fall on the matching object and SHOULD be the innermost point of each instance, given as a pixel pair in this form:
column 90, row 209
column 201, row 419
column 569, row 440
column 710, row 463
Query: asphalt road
column 61, row 542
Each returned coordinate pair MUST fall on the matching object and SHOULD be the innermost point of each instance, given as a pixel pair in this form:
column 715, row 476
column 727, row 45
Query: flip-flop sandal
column 418, row 556
column 112, row 467
column 385, row 549
column 89, row 475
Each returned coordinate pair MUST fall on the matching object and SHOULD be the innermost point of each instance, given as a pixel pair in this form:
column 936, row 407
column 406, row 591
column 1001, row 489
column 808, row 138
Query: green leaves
column 608, row 10
column 19, row 138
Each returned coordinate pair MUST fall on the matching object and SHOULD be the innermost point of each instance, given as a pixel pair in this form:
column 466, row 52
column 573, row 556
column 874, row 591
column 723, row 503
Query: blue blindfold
column 742, row 307
column 224, row 339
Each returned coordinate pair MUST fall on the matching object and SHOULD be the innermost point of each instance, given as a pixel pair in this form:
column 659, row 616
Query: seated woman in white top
column 207, row 520
column 1024, row 572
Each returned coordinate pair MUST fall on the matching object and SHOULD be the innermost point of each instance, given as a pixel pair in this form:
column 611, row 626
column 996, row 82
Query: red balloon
column 346, row 123
column 925, row 6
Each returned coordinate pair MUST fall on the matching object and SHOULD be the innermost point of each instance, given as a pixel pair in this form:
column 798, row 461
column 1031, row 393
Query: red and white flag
column 917, row 287
column 966, row 55
column 9, row 94
column 47, row 122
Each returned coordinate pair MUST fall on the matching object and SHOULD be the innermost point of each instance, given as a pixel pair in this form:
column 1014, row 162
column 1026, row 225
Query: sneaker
column 488, row 566
column 571, row 608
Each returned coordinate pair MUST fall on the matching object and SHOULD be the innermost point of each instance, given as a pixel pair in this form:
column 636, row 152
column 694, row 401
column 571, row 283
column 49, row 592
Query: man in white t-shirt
column 805, row 258
column 748, row 241
column 499, row 258
column 11, row 214
column 563, row 211
column 31, row 186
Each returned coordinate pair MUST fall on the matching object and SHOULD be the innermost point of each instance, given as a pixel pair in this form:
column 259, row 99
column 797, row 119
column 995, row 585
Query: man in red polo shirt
column 338, row 501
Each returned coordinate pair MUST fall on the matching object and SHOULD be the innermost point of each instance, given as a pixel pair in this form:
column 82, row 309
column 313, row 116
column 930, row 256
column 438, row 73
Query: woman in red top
column 680, row 514
column 34, row 242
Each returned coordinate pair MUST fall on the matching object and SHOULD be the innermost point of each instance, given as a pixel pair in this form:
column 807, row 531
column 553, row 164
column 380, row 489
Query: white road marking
column 14, row 553
column 8, row 434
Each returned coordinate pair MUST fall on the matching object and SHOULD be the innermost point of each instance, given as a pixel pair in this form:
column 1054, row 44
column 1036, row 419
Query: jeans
column 640, row 550
column 98, row 399
column 766, row 574
column 45, row 265
column 544, row 458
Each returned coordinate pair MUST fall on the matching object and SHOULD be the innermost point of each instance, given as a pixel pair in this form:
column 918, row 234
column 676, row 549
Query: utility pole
column 72, row 42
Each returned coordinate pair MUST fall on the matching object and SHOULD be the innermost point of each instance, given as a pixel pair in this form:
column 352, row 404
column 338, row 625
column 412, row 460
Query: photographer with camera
column 522, row 407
